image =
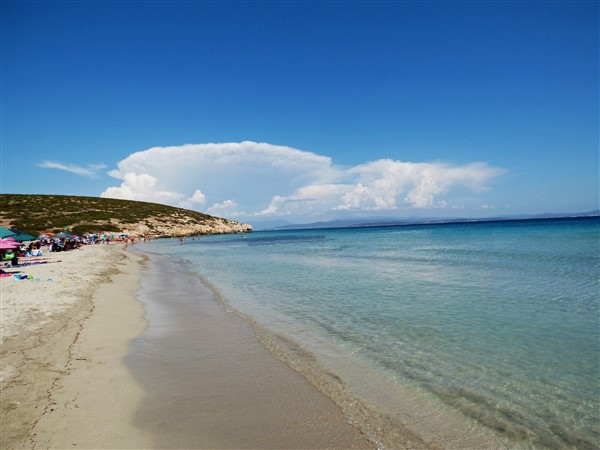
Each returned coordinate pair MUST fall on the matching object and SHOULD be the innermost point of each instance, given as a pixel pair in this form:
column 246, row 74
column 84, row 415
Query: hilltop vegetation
column 37, row 214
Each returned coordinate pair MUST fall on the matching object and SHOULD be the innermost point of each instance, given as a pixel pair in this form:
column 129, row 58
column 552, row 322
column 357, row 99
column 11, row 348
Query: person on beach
column 9, row 256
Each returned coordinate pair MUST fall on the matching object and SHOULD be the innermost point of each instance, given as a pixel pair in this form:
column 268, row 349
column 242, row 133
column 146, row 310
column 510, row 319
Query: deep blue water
column 496, row 322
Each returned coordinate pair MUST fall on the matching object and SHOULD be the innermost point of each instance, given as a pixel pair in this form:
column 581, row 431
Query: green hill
column 37, row 214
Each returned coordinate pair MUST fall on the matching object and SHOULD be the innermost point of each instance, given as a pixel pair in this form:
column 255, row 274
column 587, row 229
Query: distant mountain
column 382, row 222
column 37, row 214
column 269, row 224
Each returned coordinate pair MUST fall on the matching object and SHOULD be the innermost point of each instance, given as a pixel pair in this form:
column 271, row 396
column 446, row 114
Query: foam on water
column 465, row 334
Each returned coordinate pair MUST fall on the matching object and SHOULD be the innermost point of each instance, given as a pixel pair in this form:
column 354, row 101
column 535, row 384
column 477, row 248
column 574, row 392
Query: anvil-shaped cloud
column 248, row 179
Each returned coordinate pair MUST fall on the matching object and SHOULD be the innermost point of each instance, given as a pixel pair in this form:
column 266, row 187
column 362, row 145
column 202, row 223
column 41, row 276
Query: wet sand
column 209, row 383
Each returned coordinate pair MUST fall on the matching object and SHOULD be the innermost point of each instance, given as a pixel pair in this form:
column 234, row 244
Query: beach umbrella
column 6, row 244
column 64, row 235
column 5, row 232
column 21, row 236
column 24, row 237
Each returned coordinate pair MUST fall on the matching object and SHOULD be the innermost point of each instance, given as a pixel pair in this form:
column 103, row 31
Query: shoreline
column 389, row 413
column 392, row 416
column 204, row 369
column 68, row 379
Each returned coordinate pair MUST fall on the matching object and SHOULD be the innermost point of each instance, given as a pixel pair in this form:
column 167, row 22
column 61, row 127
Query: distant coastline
column 367, row 223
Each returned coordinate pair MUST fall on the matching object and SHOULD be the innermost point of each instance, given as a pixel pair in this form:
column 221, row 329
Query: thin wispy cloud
column 249, row 180
column 90, row 171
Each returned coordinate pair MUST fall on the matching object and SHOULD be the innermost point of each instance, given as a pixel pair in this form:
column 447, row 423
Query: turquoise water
column 495, row 324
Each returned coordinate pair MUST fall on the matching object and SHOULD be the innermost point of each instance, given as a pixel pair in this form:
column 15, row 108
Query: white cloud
column 226, row 208
column 143, row 187
column 197, row 199
column 265, row 180
column 90, row 171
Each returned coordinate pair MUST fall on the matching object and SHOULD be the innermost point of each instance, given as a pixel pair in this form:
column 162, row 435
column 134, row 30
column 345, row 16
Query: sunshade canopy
column 64, row 235
column 24, row 237
column 5, row 232
column 21, row 236
column 8, row 244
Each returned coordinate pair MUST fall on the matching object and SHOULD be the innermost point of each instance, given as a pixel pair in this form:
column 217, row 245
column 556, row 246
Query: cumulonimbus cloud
column 249, row 179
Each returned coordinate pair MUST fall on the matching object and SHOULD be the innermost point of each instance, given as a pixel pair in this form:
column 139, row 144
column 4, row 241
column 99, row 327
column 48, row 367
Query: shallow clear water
column 498, row 321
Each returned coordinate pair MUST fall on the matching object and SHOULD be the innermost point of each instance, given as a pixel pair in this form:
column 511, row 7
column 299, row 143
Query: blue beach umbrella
column 5, row 232
column 21, row 236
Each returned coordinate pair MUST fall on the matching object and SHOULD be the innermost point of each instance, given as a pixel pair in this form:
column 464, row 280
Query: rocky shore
column 159, row 227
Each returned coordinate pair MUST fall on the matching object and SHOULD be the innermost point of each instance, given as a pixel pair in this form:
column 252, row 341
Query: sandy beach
column 63, row 336
column 77, row 373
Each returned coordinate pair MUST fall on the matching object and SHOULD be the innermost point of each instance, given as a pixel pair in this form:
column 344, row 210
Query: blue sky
column 305, row 111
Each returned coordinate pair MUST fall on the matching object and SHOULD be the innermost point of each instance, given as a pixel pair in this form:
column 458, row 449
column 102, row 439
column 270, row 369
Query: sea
column 470, row 335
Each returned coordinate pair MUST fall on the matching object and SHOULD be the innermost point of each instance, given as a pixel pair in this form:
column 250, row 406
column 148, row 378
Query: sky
column 305, row 111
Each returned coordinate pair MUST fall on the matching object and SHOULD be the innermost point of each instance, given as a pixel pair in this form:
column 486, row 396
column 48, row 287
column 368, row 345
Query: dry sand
column 65, row 384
